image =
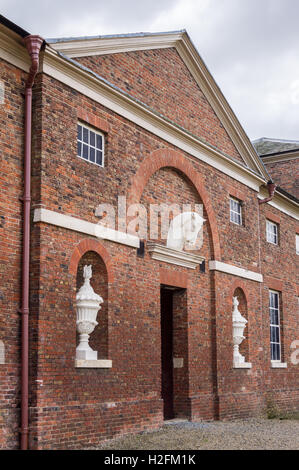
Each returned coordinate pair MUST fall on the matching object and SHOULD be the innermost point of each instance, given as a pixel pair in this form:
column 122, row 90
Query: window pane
column 99, row 157
column 272, row 352
column 274, row 317
column 274, row 334
column 79, row 149
column 79, row 132
column 85, row 152
column 85, row 135
column 92, row 154
column 92, row 138
column 273, row 299
column 99, row 142
column 276, row 352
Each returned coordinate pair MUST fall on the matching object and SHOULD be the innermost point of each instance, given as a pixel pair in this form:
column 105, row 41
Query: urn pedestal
column 88, row 304
column 239, row 324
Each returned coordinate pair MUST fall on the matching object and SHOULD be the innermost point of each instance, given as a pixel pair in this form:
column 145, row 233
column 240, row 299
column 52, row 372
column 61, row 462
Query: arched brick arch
column 238, row 284
column 171, row 158
column 91, row 245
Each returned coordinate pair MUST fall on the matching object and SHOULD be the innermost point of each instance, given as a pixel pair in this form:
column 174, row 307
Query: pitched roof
column 267, row 146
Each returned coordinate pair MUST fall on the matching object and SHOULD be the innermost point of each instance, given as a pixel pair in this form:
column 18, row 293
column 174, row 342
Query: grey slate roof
column 266, row 146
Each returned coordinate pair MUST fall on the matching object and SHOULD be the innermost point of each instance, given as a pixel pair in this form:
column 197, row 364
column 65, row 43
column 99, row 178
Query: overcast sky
column 251, row 47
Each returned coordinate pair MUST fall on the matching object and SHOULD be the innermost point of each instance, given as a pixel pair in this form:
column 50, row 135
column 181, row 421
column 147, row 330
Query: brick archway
column 91, row 245
column 238, row 284
column 171, row 158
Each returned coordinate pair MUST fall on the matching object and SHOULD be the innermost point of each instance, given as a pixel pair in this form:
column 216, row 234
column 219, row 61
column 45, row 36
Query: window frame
column 233, row 199
column 273, row 224
column 97, row 133
column 273, row 325
column 297, row 243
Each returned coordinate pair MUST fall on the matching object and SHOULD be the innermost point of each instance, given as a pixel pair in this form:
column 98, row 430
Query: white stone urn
column 88, row 304
column 239, row 324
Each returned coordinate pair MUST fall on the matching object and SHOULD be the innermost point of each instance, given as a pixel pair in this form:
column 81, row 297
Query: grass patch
column 274, row 412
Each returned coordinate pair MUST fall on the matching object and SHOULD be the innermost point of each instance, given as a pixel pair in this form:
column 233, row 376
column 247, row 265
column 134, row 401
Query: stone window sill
column 278, row 365
column 98, row 364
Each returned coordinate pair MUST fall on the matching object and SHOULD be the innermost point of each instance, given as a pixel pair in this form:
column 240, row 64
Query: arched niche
column 244, row 346
column 99, row 281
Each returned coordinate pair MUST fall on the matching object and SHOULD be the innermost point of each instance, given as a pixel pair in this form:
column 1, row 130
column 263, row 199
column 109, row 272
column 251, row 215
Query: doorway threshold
column 174, row 421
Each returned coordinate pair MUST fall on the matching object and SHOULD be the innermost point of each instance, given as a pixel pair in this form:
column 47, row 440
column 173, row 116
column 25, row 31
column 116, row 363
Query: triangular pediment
column 82, row 48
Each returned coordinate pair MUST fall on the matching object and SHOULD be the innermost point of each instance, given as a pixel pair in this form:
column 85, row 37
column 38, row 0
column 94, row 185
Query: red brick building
column 124, row 120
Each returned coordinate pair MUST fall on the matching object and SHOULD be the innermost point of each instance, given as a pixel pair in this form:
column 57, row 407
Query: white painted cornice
column 281, row 157
column 12, row 49
column 186, row 259
column 115, row 44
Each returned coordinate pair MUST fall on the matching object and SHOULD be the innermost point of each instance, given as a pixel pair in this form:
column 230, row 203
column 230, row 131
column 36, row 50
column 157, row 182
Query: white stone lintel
column 79, row 225
column 243, row 365
column 169, row 255
column 278, row 365
column 235, row 270
column 98, row 364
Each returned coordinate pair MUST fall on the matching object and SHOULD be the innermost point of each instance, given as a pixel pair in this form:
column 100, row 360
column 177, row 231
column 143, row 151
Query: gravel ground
column 257, row 433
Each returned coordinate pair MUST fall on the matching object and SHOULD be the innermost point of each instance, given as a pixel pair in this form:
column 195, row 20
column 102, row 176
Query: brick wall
column 72, row 407
column 160, row 79
column 286, row 175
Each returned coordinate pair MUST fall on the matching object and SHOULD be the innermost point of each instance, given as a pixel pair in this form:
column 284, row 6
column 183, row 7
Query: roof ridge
column 111, row 36
column 270, row 139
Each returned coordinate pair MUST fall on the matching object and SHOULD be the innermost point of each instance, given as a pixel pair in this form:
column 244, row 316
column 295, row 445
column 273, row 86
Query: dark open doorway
column 167, row 351
column 174, row 352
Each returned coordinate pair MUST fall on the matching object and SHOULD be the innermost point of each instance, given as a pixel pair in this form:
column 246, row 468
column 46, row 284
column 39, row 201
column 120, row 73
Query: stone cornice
column 115, row 44
column 282, row 157
column 12, row 49
column 186, row 259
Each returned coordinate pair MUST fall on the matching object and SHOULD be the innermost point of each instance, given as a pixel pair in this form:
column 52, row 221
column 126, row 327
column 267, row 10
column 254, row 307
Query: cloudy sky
column 251, row 47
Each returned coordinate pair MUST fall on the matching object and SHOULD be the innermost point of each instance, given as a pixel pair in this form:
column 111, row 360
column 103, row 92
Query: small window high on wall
column 235, row 207
column 90, row 144
column 272, row 232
